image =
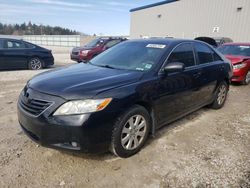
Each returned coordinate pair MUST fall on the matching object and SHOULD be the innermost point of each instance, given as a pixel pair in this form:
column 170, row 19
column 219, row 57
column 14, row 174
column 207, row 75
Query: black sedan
column 19, row 54
column 122, row 95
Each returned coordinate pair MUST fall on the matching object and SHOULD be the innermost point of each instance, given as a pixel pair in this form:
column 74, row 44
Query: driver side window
column 184, row 54
column 10, row 44
column 112, row 43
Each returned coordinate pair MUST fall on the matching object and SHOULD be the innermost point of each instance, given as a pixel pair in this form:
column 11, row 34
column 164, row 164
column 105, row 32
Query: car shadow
column 237, row 84
column 168, row 128
column 161, row 132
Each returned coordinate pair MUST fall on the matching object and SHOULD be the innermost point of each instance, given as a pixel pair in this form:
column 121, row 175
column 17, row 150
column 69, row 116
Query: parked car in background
column 239, row 55
column 19, row 54
column 216, row 41
column 122, row 95
column 93, row 48
column 222, row 40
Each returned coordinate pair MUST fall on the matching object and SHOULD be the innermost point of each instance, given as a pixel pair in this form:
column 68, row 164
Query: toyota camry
column 124, row 94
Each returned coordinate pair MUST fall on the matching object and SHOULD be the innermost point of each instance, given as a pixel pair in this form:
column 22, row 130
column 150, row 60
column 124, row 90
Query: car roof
column 237, row 44
column 219, row 38
column 10, row 39
column 166, row 41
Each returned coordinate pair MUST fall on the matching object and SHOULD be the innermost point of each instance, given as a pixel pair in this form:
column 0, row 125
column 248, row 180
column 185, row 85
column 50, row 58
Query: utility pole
column 41, row 28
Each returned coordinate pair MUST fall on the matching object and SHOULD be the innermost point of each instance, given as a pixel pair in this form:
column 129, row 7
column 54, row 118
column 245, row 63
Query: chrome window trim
column 195, row 60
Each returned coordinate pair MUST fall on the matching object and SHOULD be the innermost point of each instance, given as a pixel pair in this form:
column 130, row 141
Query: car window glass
column 13, row 44
column 183, row 54
column 243, row 50
column 138, row 56
column 205, row 54
column 1, row 44
column 28, row 45
column 95, row 43
column 216, row 57
column 112, row 43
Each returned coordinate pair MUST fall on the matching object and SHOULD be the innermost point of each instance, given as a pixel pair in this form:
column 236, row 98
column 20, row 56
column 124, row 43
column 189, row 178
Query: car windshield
column 243, row 50
column 138, row 56
column 94, row 43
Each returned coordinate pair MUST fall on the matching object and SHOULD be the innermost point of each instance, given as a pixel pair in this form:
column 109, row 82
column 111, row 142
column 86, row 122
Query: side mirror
column 174, row 67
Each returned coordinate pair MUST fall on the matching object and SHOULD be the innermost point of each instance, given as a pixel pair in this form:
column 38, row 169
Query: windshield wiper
column 106, row 66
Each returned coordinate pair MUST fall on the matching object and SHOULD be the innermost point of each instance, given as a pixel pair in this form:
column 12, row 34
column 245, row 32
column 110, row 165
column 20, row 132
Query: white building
column 193, row 18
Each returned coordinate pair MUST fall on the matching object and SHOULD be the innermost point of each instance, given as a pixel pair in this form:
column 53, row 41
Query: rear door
column 211, row 68
column 14, row 54
column 177, row 92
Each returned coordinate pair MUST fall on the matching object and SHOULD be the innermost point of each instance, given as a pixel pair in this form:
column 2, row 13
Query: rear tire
column 247, row 78
column 130, row 132
column 221, row 96
column 35, row 63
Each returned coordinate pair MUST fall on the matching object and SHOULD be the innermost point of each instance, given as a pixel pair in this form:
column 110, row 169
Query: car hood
column 77, row 49
column 82, row 81
column 236, row 59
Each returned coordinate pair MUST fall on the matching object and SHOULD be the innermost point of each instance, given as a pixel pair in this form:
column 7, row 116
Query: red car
column 93, row 48
column 239, row 55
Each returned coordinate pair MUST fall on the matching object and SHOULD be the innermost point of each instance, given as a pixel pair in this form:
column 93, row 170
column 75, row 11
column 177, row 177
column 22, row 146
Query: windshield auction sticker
column 161, row 46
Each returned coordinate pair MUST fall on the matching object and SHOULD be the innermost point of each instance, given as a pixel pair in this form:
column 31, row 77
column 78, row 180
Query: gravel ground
column 208, row 148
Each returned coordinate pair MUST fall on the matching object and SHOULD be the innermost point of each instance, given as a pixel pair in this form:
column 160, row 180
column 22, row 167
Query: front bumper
column 239, row 75
column 86, row 133
column 48, row 61
column 78, row 58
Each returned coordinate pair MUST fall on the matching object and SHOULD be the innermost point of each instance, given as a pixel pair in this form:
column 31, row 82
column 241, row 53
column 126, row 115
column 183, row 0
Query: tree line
column 34, row 29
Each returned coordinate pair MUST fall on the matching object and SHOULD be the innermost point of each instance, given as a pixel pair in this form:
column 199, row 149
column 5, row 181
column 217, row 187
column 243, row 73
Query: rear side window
column 1, row 44
column 184, row 54
column 216, row 57
column 28, row 45
column 204, row 53
column 13, row 44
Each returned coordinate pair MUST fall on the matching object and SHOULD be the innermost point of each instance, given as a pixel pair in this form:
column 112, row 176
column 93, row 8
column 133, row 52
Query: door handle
column 222, row 67
column 197, row 74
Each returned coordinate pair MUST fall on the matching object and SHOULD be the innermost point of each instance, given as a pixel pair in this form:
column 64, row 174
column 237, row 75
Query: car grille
column 34, row 106
column 75, row 53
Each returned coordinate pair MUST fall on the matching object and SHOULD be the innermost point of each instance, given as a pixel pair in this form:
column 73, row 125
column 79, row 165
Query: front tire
column 130, row 132
column 35, row 64
column 247, row 78
column 221, row 96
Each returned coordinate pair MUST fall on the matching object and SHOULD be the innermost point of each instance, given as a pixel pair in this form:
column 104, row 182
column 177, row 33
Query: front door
column 14, row 54
column 178, row 91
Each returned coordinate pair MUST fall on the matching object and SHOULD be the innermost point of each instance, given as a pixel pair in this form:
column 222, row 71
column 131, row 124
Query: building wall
column 192, row 18
column 54, row 40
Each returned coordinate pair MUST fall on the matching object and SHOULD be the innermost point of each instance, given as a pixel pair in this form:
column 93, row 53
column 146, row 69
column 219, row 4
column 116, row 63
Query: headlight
column 82, row 106
column 85, row 52
column 239, row 66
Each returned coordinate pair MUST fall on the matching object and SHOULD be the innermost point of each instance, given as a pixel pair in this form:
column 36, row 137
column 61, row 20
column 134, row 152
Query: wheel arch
column 151, row 112
column 35, row 56
column 227, row 80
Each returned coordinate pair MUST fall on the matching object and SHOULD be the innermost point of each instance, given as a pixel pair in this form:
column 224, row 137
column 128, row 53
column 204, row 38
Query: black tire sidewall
column 245, row 82
column 116, row 146
column 29, row 63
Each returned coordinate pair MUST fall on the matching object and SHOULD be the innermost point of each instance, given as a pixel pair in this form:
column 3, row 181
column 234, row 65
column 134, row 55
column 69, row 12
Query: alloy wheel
column 35, row 64
column 133, row 132
column 222, row 94
column 247, row 80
